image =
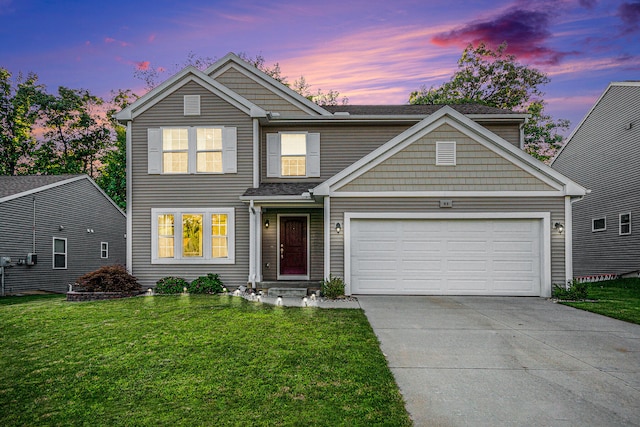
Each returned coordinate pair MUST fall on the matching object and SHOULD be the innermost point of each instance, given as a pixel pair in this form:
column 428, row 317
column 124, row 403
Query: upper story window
column 293, row 158
column 192, row 150
column 599, row 224
column 625, row 224
column 193, row 236
column 293, row 154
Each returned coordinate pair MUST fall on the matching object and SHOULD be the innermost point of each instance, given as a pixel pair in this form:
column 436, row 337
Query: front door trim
column 294, row 276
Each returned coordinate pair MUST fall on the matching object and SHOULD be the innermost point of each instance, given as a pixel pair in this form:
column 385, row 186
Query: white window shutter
column 313, row 155
column 445, row 153
column 229, row 150
column 273, row 155
column 192, row 105
column 154, row 151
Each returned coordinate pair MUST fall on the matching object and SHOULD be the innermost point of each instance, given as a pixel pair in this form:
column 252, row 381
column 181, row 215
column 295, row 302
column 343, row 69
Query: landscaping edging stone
column 74, row 296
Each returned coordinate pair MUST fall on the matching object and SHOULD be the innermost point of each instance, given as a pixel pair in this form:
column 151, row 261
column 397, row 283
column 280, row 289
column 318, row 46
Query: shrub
column 171, row 285
column 110, row 278
column 574, row 292
column 209, row 284
column 333, row 287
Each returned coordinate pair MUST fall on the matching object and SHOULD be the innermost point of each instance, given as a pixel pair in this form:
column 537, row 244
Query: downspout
column 568, row 237
column 33, row 242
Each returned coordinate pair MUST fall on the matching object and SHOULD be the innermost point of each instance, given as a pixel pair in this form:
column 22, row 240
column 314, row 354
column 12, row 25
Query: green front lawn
column 619, row 299
column 190, row 360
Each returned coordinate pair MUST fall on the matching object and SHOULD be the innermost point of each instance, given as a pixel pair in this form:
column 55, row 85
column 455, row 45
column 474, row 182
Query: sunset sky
column 373, row 52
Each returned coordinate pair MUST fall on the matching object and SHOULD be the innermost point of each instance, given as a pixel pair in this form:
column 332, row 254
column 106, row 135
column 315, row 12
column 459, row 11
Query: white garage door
column 446, row 256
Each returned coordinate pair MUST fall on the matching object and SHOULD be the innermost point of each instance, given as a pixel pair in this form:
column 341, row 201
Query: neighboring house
column 603, row 154
column 233, row 173
column 66, row 221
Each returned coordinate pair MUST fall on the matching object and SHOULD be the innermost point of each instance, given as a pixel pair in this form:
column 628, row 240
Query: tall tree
column 76, row 133
column 497, row 79
column 19, row 111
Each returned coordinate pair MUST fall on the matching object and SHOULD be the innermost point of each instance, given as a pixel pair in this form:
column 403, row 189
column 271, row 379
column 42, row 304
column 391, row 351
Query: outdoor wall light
column 558, row 227
column 266, row 223
column 338, row 228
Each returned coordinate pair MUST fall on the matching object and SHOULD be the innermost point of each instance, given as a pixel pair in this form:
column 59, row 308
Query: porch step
column 287, row 292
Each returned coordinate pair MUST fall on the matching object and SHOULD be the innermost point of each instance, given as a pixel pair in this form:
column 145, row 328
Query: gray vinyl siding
column 258, row 94
column 340, row 145
column 477, row 169
column 76, row 206
column 270, row 242
column 190, row 191
column 555, row 206
column 603, row 157
column 507, row 131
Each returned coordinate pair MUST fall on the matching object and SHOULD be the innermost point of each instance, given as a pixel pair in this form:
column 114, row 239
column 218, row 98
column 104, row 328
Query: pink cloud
column 374, row 66
column 109, row 40
column 151, row 38
column 525, row 32
column 142, row 66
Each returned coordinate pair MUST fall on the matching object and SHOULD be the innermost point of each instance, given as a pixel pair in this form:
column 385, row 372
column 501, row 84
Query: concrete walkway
column 501, row 361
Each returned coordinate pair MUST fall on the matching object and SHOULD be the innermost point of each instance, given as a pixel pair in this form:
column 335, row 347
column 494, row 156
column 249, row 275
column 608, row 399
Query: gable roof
column 591, row 110
column 411, row 109
column 14, row 187
column 231, row 60
column 180, row 79
column 465, row 125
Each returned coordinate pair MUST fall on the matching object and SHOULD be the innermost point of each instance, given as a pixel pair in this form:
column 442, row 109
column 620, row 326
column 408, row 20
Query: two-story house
column 602, row 153
column 234, row 173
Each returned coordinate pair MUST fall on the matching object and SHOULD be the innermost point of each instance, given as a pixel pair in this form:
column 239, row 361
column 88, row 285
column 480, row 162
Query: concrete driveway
column 487, row 361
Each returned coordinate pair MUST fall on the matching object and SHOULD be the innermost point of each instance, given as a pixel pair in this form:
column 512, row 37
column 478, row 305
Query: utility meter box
column 5, row 261
column 32, row 259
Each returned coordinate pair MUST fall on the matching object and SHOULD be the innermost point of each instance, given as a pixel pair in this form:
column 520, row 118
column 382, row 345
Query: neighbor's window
column 59, row 253
column 104, row 249
column 209, row 150
column 625, row 224
column 599, row 224
column 205, row 235
column 175, row 150
column 293, row 152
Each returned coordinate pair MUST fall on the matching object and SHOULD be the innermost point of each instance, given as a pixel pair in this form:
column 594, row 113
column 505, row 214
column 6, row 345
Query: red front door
column 293, row 245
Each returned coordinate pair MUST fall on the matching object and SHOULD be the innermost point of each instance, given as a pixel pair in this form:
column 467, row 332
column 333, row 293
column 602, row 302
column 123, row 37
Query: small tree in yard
column 111, row 278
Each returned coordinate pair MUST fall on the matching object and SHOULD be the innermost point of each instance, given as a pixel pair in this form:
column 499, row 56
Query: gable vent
column 446, row 153
column 192, row 105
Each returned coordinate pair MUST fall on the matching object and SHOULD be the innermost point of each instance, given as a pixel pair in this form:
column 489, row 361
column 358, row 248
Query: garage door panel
column 436, row 257
column 467, row 266
column 464, row 246
column 506, row 266
column 421, row 266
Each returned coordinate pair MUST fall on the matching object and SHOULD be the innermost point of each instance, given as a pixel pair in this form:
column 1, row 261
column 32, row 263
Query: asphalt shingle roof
column 12, row 185
column 280, row 189
column 408, row 109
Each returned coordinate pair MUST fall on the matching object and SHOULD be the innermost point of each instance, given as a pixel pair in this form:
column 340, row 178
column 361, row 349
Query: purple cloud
column 629, row 14
column 525, row 31
column 589, row 4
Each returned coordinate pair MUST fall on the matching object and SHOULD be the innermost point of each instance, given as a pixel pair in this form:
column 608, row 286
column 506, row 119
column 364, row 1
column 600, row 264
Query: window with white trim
column 598, row 224
column 104, row 250
column 445, row 153
column 59, row 253
column 192, row 150
column 293, row 154
column 625, row 224
column 193, row 236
